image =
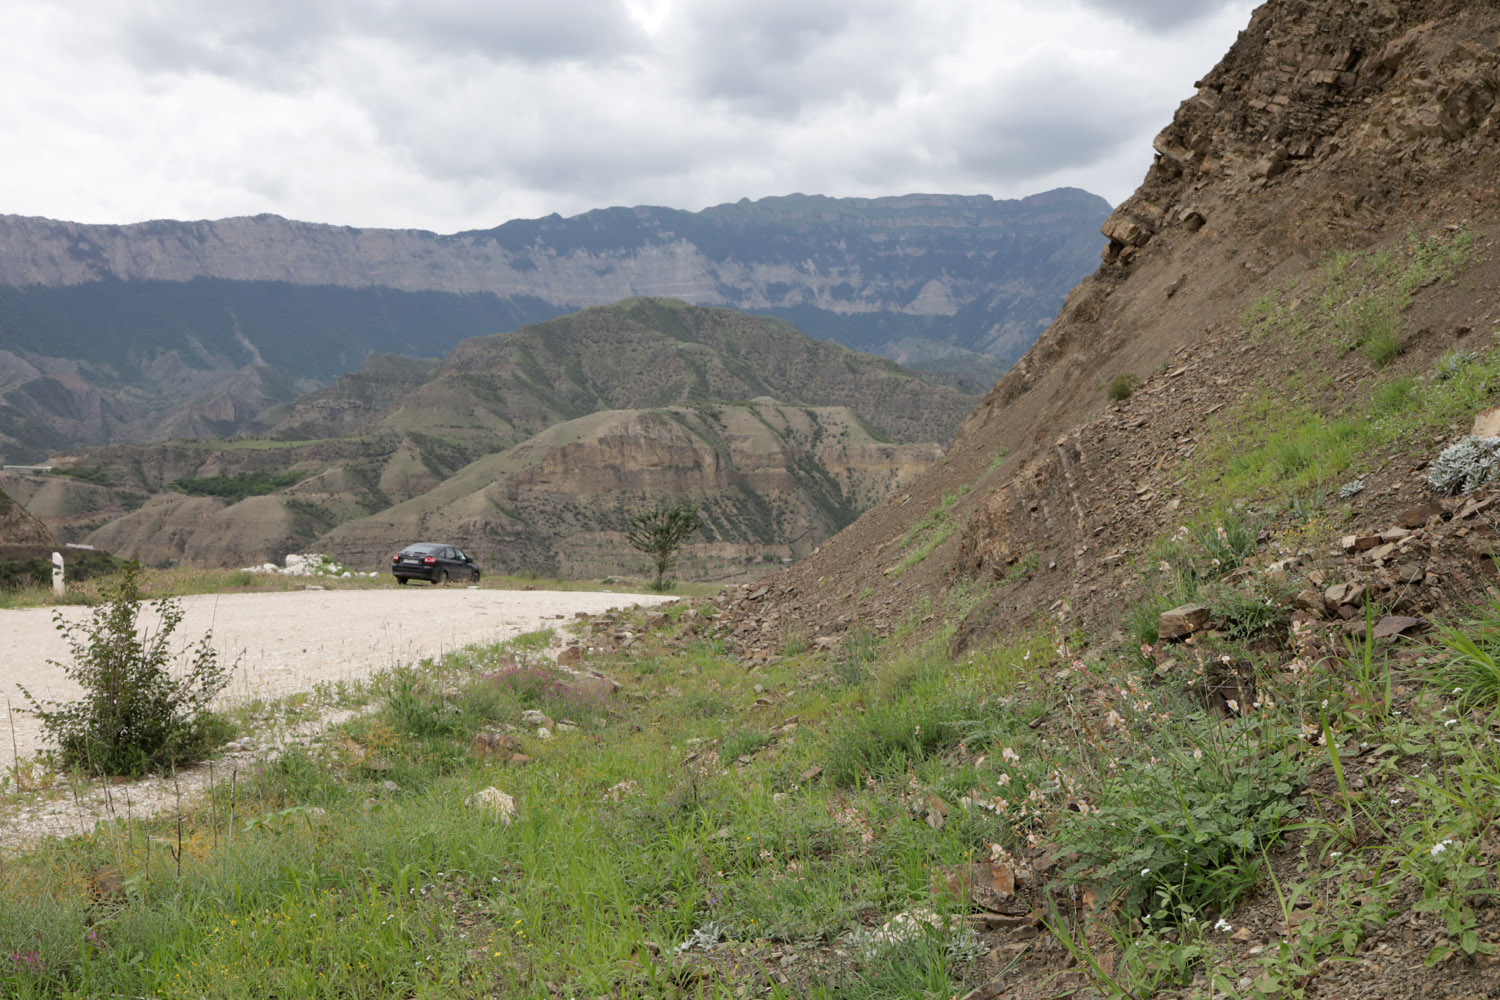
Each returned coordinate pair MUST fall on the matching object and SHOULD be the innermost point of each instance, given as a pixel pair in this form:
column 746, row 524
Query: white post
column 57, row 574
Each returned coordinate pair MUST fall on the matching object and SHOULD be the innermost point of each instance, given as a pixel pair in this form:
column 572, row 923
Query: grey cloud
column 776, row 57
column 1161, row 15
column 527, row 31
column 1046, row 120
column 274, row 43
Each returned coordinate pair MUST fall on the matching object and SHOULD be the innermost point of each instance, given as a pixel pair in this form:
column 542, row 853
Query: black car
column 435, row 561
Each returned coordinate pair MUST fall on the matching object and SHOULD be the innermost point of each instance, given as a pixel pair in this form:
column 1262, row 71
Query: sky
column 449, row 115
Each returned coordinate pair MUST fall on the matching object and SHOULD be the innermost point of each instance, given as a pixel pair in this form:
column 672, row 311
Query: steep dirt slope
column 1328, row 126
column 18, row 527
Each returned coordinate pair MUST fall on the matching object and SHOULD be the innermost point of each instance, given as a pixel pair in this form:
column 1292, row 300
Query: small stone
column 533, row 717
column 493, row 803
column 1181, row 622
column 1345, row 594
column 1416, row 517
column 390, row 787
column 1394, row 625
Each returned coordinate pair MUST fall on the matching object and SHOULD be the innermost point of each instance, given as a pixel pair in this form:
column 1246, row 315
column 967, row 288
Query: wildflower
column 1224, row 926
column 1234, row 706
column 1145, row 872
column 1008, row 754
column 1197, row 753
column 1440, row 847
column 1450, row 722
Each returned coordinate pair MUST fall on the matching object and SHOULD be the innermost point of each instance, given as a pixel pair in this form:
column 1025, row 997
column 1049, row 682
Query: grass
column 927, row 534
column 1273, row 443
column 683, row 814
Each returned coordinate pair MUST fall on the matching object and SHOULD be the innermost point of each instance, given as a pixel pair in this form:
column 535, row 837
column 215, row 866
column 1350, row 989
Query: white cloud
column 457, row 114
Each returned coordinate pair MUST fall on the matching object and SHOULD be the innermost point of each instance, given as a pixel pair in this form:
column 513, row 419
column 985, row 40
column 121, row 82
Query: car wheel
column 442, row 578
column 476, row 576
column 402, row 580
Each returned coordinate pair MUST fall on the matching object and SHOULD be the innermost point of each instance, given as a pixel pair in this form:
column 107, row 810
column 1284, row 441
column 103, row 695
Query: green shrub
column 31, row 565
column 1122, row 385
column 236, row 487
column 135, row 717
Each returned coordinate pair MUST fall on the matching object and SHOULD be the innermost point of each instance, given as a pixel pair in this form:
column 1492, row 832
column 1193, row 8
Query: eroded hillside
column 1330, row 185
column 532, row 449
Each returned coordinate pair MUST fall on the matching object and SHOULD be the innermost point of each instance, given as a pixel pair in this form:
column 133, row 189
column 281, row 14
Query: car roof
column 427, row 546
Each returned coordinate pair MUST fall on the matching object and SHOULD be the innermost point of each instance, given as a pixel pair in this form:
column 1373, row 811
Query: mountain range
column 169, row 329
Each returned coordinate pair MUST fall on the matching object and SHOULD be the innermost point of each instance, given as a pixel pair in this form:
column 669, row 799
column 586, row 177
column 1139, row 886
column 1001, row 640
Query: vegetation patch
column 238, row 486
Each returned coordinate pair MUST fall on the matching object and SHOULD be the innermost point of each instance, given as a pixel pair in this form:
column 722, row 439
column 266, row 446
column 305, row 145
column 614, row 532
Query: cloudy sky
column 460, row 114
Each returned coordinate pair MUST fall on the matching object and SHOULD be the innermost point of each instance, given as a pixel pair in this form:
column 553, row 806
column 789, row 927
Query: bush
column 135, row 717
column 31, row 565
column 1465, row 465
column 1122, row 385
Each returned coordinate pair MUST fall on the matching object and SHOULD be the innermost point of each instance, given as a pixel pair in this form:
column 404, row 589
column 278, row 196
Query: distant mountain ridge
column 531, row 449
column 108, row 331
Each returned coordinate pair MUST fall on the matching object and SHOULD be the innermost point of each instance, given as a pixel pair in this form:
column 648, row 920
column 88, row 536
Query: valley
column 1166, row 667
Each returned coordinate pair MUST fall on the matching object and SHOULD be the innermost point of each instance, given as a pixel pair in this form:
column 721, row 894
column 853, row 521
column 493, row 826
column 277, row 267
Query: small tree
column 660, row 533
column 135, row 716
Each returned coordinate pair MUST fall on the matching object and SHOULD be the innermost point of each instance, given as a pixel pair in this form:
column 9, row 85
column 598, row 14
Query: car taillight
column 396, row 557
column 430, row 560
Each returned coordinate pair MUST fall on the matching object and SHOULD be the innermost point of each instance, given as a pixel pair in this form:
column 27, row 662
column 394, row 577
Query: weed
column 1468, row 662
column 1183, row 836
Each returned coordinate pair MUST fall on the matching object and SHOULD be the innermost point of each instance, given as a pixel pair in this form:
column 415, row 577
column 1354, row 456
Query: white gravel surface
column 288, row 642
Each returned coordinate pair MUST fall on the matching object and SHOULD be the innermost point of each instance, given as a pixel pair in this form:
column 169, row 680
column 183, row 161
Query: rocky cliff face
column 108, row 332
column 918, row 255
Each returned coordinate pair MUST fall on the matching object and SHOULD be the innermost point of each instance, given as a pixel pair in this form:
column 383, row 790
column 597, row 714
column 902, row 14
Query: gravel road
column 288, row 642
